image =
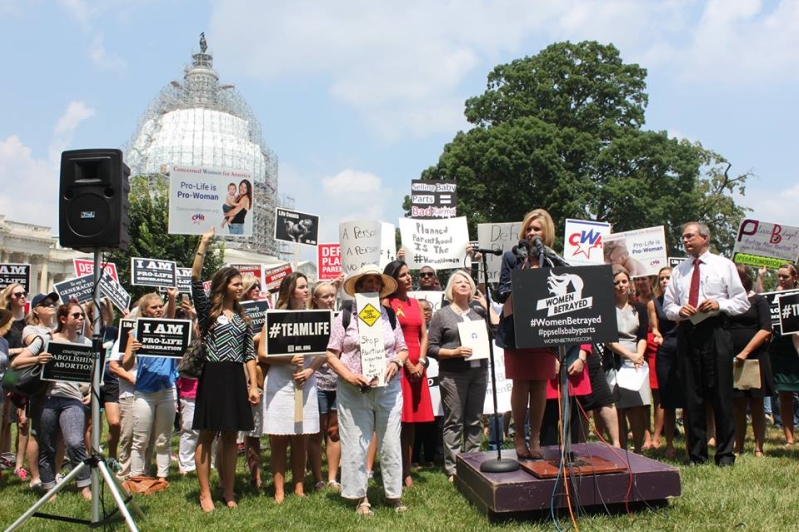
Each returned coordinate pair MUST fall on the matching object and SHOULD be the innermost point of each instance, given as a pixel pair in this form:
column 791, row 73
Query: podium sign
column 569, row 305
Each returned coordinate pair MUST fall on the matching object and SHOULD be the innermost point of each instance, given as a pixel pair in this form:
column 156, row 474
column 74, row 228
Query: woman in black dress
column 750, row 333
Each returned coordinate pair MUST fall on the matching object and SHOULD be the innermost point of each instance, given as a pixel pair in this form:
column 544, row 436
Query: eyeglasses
column 689, row 236
column 427, row 274
column 20, row 294
column 78, row 315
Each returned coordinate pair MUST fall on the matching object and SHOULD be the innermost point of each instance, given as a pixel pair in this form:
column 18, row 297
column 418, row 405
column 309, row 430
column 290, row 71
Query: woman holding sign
column 62, row 407
column 223, row 403
column 530, row 369
column 289, row 376
column 364, row 408
column 463, row 383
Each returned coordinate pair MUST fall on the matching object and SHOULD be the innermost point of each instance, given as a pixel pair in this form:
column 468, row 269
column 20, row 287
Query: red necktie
column 693, row 295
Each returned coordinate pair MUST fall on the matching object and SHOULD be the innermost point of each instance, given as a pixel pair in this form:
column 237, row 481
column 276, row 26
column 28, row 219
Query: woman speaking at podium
column 529, row 369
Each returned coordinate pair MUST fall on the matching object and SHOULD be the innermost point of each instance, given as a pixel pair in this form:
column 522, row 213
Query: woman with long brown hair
column 223, row 397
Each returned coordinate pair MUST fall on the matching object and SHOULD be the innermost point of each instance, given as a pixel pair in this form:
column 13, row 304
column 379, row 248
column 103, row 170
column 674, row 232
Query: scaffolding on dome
column 202, row 123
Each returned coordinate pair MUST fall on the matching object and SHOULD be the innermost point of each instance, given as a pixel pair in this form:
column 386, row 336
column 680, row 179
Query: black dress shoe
column 726, row 461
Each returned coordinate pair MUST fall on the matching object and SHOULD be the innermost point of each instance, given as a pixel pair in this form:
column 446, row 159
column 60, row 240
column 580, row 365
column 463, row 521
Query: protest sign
column 114, row 291
column 557, row 306
column 437, row 243
column 497, row 236
column 183, row 279
column 766, row 244
column 366, row 242
column 474, row 335
column 160, row 337
column 789, row 313
column 125, row 326
column 641, row 252
column 297, row 332
column 583, row 241
column 504, row 385
column 273, row 276
column 433, row 198
column 774, row 307
column 70, row 363
column 297, row 227
column 80, row 289
column 15, row 273
column 153, row 272
column 434, row 383
column 205, row 197
column 86, row 267
column 329, row 261
column 256, row 311
column 435, row 297
column 675, row 261
column 370, row 337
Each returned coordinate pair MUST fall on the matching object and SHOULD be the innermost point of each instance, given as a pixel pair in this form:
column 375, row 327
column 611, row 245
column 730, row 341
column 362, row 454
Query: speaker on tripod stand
column 93, row 200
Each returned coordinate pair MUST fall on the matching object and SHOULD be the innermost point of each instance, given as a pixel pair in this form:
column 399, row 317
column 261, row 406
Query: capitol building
column 194, row 122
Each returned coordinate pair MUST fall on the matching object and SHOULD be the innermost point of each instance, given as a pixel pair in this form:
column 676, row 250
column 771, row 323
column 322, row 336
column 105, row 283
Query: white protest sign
column 504, row 385
column 370, row 336
column 497, row 236
column 434, row 297
column 434, row 384
column 437, row 243
column 583, row 241
column 366, row 242
column 641, row 252
column 204, row 197
column 766, row 244
column 473, row 334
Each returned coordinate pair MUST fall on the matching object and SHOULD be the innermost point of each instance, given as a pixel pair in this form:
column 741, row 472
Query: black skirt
column 600, row 395
column 222, row 399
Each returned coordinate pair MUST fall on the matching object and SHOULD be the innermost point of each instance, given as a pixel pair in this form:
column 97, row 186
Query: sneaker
column 59, row 478
column 21, row 474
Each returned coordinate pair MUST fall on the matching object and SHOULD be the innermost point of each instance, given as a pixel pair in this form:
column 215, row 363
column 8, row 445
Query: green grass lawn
column 758, row 494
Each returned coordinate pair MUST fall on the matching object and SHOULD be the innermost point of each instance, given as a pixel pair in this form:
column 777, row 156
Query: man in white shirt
column 703, row 291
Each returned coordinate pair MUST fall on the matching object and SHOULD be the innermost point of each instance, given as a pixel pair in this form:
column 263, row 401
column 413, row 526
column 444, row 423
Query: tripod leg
column 46, row 497
column 116, row 491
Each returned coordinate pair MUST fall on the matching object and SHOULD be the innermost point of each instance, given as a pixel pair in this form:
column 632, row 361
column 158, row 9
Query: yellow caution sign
column 369, row 315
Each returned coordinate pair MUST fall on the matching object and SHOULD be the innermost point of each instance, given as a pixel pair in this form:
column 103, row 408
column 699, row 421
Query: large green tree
column 149, row 221
column 563, row 130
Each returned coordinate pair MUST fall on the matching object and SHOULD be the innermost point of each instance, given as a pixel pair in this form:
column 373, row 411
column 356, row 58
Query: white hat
column 389, row 284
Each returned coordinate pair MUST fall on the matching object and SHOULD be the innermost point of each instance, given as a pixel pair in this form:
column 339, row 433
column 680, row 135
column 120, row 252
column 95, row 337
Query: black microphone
column 522, row 251
column 477, row 249
column 539, row 245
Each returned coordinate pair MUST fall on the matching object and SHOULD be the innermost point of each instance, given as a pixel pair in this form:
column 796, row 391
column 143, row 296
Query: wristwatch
column 424, row 362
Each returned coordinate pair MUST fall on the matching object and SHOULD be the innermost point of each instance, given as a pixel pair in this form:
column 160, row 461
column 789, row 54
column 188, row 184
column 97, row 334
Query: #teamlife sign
column 583, row 241
column 328, row 257
column 497, row 236
column 153, row 272
column 562, row 306
column 162, row 337
column 205, row 197
column 15, row 273
column 70, row 363
column 256, row 311
column 297, row 332
column 789, row 313
column 773, row 301
column 295, row 226
column 766, row 244
column 437, row 243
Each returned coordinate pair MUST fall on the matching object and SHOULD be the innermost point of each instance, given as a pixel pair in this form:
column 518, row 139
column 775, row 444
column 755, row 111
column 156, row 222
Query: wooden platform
column 521, row 491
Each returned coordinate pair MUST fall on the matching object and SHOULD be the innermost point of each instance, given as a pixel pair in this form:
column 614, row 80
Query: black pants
column 706, row 356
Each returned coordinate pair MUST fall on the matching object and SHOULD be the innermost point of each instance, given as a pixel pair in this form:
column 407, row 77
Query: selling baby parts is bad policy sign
column 563, row 306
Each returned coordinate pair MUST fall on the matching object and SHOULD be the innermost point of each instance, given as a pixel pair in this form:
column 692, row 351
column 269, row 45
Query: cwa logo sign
column 567, row 294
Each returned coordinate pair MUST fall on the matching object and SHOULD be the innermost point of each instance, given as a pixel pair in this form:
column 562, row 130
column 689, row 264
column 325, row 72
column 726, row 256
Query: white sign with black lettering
column 70, row 363
column 437, row 243
column 370, row 337
column 366, row 242
column 434, row 297
column 497, row 236
column 153, row 272
column 162, row 337
column 256, row 311
column 15, row 273
column 297, row 332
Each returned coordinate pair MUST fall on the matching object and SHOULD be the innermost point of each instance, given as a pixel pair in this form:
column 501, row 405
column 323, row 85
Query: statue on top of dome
column 203, row 43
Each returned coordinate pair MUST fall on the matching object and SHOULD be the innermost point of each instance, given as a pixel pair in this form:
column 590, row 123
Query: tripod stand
column 95, row 460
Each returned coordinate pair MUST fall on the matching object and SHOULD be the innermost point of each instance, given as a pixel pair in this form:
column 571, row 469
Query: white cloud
column 64, row 130
column 104, row 59
column 78, row 10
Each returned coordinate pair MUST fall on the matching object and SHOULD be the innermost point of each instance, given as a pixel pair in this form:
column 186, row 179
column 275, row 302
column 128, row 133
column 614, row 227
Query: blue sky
column 358, row 97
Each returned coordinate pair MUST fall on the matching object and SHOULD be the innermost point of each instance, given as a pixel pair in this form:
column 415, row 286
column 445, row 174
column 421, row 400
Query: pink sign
column 329, row 260
column 86, row 267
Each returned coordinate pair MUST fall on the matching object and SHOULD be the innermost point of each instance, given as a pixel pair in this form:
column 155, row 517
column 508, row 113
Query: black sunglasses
column 20, row 294
column 76, row 315
column 48, row 304
column 427, row 274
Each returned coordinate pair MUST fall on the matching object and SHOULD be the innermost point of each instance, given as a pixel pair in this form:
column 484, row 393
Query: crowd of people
column 681, row 336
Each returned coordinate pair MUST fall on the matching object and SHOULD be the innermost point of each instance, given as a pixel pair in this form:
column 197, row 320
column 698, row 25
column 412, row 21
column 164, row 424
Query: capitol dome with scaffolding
column 201, row 122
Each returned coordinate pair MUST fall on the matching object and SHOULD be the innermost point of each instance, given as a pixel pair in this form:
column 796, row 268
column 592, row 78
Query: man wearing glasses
column 704, row 290
column 428, row 280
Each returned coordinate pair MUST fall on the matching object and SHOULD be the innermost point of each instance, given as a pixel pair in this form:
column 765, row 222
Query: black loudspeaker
column 93, row 200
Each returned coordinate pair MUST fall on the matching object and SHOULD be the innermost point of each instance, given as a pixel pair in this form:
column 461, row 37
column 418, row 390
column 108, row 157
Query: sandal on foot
column 364, row 509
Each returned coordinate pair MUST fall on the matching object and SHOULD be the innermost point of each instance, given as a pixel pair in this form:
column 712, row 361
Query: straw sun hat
column 389, row 284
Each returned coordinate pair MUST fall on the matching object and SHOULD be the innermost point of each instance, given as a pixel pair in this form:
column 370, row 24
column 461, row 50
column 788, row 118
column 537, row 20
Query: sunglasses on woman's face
column 47, row 304
column 20, row 294
column 78, row 315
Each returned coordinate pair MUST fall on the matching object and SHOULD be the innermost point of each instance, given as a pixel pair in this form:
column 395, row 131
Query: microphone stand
column 498, row 464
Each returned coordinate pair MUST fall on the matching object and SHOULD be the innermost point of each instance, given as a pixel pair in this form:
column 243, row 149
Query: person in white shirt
column 704, row 290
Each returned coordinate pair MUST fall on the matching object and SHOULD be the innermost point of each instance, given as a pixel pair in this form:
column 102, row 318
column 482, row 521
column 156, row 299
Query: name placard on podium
column 566, row 305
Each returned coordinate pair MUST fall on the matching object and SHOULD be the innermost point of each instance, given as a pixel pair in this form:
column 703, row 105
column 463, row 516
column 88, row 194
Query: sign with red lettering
column 329, row 260
column 256, row 269
column 273, row 276
column 766, row 244
column 86, row 267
